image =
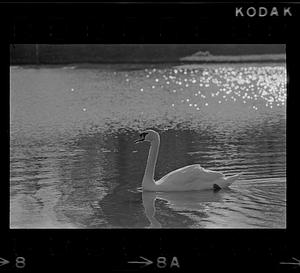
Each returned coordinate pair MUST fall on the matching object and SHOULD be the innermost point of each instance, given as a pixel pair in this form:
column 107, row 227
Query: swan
column 188, row 178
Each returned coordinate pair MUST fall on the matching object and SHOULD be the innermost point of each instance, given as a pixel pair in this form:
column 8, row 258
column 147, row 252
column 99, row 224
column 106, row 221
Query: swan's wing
column 208, row 175
column 190, row 174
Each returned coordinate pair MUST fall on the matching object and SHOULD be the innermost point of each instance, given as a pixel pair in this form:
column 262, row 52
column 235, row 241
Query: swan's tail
column 226, row 182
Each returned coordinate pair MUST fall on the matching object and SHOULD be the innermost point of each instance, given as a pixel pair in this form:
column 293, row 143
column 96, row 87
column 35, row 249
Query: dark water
column 74, row 164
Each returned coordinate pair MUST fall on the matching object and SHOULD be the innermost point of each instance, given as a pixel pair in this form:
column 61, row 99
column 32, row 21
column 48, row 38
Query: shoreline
column 189, row 61
column 235, row 58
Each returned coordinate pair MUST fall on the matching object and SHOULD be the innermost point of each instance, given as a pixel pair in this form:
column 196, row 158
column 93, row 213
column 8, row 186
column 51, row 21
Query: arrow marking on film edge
column 297, row 262
column 146, row 262
column 3, row 261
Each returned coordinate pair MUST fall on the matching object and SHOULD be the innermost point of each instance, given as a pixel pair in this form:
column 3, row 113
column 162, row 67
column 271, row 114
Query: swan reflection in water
column 179, row 201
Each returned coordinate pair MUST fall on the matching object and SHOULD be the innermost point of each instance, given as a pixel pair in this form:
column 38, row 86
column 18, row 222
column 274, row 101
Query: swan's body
column 189, row 178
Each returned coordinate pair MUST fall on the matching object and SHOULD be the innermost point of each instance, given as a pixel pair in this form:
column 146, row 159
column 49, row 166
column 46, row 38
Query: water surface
column 74, row 164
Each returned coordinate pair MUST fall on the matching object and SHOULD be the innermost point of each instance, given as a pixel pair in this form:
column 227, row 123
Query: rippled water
column 74, row 164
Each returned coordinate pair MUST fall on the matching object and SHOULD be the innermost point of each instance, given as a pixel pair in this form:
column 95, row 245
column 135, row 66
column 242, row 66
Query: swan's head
column 148, row 135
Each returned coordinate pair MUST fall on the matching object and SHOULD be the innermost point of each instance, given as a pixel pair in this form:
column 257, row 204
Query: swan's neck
column 148, row 180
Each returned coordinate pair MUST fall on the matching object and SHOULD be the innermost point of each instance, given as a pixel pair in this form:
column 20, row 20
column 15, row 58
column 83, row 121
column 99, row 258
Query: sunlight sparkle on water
column 220, row 92
column 254, row 87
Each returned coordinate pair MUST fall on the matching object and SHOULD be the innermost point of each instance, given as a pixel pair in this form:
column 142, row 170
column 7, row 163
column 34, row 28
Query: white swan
column 189, row 178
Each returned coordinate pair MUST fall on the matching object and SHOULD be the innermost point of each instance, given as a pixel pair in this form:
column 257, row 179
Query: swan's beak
column 139, row 140
column 142, row 138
